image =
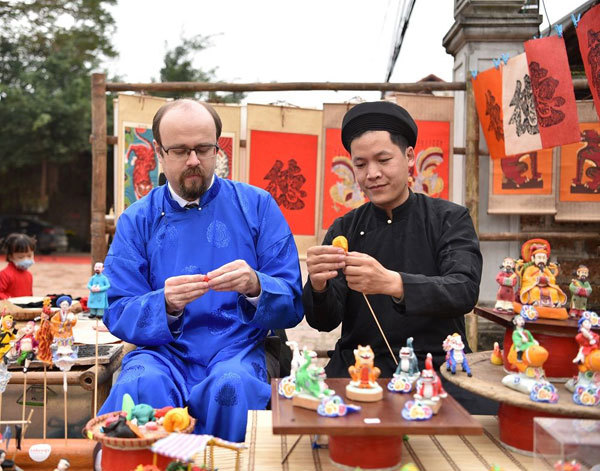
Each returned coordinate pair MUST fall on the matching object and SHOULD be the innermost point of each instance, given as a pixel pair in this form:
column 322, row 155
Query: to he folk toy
column 455, row 354
column 528, row 357
column 363, row 386
column 507, row 279
column 586, row 385
column 581, row 290
column 538, row 281
column 98, row 286
column 310, row 383
column 429, row 387
column 407, row 371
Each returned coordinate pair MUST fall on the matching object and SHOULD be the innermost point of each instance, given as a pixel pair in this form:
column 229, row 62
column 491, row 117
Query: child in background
column 15, row 279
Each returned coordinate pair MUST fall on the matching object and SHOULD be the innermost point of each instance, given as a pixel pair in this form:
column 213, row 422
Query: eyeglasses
column 203, row 151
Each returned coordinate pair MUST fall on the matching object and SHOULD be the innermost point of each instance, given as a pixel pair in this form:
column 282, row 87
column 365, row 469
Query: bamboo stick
column 380, row 329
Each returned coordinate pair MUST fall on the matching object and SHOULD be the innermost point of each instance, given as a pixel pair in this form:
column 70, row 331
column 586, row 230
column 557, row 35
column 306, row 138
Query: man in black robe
column 416, row 258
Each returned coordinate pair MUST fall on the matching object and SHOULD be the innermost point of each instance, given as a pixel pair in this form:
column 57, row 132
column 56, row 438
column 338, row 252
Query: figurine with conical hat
column 538, row 281
column 429, row 389
column 586, row 385
column 580, row 291
column 507, row 279
column 528, row 357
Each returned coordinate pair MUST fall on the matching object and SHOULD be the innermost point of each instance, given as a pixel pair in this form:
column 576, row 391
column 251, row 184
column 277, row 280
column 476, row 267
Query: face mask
column 24, row 264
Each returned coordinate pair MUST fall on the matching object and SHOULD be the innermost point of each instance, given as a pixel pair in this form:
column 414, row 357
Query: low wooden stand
column 517, row 411
column 352, row 442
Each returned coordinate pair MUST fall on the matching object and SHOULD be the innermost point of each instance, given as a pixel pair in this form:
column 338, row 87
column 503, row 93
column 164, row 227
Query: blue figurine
column 98, row 285
column 455, row 354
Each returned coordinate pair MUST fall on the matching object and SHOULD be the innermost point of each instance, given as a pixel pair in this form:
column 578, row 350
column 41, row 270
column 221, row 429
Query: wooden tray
column 451, row 420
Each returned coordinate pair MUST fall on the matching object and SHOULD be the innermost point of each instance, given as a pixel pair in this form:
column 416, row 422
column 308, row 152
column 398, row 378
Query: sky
column 284, row 41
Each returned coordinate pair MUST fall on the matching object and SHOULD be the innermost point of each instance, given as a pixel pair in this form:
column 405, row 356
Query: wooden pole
column 45, row 400
column 96, row 374
column 65, row 401
column 472, row 187
column 24, row 398
column 283, row 86
column 98, row 139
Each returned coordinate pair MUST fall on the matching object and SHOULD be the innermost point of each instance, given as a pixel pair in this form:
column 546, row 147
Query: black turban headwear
column 378, row 116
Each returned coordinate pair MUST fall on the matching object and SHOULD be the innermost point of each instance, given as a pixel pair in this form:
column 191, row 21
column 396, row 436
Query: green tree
column 48, row 49
column 179, row 67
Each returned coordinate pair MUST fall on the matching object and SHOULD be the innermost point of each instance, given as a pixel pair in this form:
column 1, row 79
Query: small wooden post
column 472, row 187
column 98, row 140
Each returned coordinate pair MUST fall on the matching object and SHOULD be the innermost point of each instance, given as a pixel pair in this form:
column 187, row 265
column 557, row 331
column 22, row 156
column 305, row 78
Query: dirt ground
column 69, row 273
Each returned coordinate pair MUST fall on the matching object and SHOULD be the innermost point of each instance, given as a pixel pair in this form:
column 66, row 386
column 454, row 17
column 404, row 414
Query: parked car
column 49, row 237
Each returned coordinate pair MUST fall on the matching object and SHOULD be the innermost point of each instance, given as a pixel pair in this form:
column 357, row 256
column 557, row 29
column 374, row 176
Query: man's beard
column 192, row 191
column 582, row 278
column 541, row 266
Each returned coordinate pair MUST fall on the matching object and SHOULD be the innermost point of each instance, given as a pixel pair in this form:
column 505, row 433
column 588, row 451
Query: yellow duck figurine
column 496, row 357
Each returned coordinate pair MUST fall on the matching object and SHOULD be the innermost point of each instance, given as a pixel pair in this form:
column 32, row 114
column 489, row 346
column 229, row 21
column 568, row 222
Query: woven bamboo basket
column 117, row 443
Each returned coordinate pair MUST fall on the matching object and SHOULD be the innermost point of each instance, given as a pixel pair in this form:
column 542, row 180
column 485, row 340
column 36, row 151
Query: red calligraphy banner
column 285, row 164
column 431, row 173
column 588, row 35
column 580, row 167
column 552, row 89
column 487, row 87
column 341, row 192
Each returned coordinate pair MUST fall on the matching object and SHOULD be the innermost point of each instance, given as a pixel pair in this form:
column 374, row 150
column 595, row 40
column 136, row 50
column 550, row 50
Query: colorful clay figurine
column 538, row 281
column 429, row 387
column 27, row 346
column 121, row 428
column 496, row 357
column 62, row 323
column 363, row 385
column 586, row 385
column 177, row 419
column 62, row 465
column 455, row 354
column 98, row 285
column 528, row 357
column 416, row 410
column 335, row 406
column 580, row 291
column 44, row 334
column 407, row 371
column 142, row 413
column 592, row 317
column 572, row 465
column 310, row 383
column 7, row 336
column 287, row 385
column 507, row 279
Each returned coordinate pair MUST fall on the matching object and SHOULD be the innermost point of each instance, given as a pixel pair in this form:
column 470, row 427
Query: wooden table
column 517, row 411
column 352, row 442
column 556, row 336
column 429, row 452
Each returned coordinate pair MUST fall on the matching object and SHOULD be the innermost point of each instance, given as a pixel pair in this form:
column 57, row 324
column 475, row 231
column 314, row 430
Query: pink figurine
column 507, row 279
column 27, row 346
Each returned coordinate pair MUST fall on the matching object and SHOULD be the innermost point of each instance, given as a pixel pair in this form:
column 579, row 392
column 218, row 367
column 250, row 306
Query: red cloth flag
column 521, row 131
column 553, row 93
column 588, row 35
column 487, row 87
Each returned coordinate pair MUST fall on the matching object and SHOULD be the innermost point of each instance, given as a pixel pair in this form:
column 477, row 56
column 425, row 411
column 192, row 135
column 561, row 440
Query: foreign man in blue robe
column 201, row 269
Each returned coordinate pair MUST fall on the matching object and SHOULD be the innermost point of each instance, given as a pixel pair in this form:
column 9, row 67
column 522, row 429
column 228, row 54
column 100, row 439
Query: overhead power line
column 403, row 18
